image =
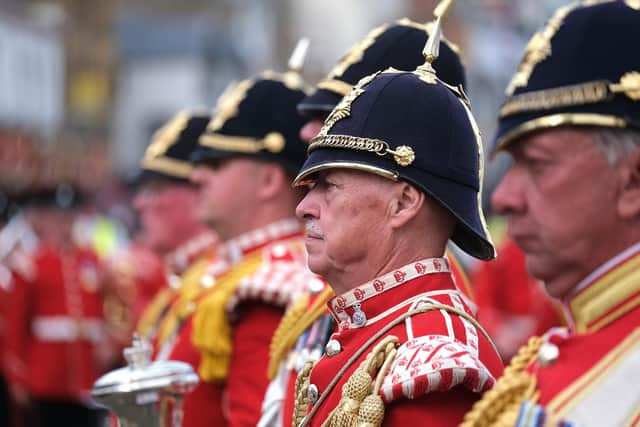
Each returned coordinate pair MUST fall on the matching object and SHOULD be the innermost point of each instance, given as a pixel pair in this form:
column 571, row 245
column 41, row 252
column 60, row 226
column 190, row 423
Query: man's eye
column 535, row 162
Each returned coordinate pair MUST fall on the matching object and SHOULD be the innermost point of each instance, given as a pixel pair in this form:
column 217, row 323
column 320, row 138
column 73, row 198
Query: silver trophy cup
column 145, row 393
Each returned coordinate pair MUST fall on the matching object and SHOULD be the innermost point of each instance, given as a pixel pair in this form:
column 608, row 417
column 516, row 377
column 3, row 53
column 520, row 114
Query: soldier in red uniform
column 57, row 345
column 571, row 123
column 394, row 174
column 172, row 237
column 305, row 329
column 184, row 245
column 223, row 325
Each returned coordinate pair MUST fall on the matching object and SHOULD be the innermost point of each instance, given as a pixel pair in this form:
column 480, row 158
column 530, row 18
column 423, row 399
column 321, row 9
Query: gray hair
column 616, row 143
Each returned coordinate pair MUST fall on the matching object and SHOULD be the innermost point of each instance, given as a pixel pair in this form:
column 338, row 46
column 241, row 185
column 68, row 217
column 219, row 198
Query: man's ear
column 629, row 200
column 271, row 180
column 405, row 205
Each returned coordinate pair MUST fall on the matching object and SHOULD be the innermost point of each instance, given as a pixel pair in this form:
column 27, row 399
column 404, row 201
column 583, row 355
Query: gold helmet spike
column 298, row 55
column 432, row 47
column 443, row 9
column 292, row 77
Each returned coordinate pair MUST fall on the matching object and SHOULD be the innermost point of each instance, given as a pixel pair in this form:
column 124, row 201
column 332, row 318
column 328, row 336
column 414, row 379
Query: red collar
column 350, row 308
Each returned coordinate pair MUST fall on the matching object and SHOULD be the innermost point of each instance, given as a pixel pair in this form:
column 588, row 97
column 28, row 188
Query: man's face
column 560, row 200
column 166, row 212
column 345, row 214
column 226, row 193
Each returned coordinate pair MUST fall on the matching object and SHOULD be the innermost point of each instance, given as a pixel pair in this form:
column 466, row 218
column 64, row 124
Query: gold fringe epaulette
column 182, row 306
column 360, row 403
column 295, row 321
column 212, row 333
column 500, row 406
column 153, row 312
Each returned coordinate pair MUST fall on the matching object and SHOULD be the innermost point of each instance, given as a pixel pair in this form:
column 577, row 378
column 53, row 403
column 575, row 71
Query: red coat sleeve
column 440, row 409
column 17, row 333
column 247, row 380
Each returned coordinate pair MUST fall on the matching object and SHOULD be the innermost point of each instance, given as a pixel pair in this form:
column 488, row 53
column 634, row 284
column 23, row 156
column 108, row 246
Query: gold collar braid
column 500, row 406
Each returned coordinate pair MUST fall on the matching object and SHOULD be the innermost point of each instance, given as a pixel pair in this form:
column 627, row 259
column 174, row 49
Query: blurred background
column 90, row 80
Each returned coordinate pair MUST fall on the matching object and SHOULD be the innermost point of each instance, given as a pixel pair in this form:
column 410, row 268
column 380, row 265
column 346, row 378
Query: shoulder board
column 280, row 280
column 433, row 363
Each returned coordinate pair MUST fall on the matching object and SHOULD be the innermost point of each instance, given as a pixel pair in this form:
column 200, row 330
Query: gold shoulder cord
column 500, row 406
column 360, row 403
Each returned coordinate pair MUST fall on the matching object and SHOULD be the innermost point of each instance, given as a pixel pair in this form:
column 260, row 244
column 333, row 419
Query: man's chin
column 316, row 264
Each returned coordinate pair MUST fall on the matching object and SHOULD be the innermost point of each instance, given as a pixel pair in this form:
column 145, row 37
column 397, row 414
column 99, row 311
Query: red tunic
column 512, row 306
column 279, row 401
column 587, row 374
column 55, row 347
column 253, row 277
column 437, row 351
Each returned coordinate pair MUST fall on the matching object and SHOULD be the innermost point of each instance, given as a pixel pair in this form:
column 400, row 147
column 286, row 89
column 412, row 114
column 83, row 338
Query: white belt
column 64, row 328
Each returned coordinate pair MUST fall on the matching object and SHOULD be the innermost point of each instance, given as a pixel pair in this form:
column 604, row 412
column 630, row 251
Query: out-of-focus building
column 32, row 76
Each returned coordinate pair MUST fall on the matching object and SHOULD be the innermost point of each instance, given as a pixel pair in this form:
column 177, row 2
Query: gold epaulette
column 500, row 406
column 183, row 306
column 295, row 321
column 211, row 328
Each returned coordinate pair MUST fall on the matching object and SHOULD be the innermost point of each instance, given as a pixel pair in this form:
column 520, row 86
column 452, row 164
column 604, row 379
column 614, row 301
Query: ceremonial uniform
column 199, row 251
column 209, row 283
column 409, row 333
column 576, row 78
column 165, row 321
column 306, row 328
column 302, row 335
column 166, row 161
column 433, row 350
column 57, row 344
column 585, row 375
column 514, row 313
column 255, row 121
column 17, row 239
column 235, row 320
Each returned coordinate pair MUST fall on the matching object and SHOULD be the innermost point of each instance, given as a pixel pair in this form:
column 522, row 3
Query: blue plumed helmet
column 411, row 126
column 581, row 69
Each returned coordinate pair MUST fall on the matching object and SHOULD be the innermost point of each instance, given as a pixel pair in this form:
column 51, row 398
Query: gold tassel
column 499, row 407
column 297, row 319
column 361, row 404
column 300, row 393
column 211, row 327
